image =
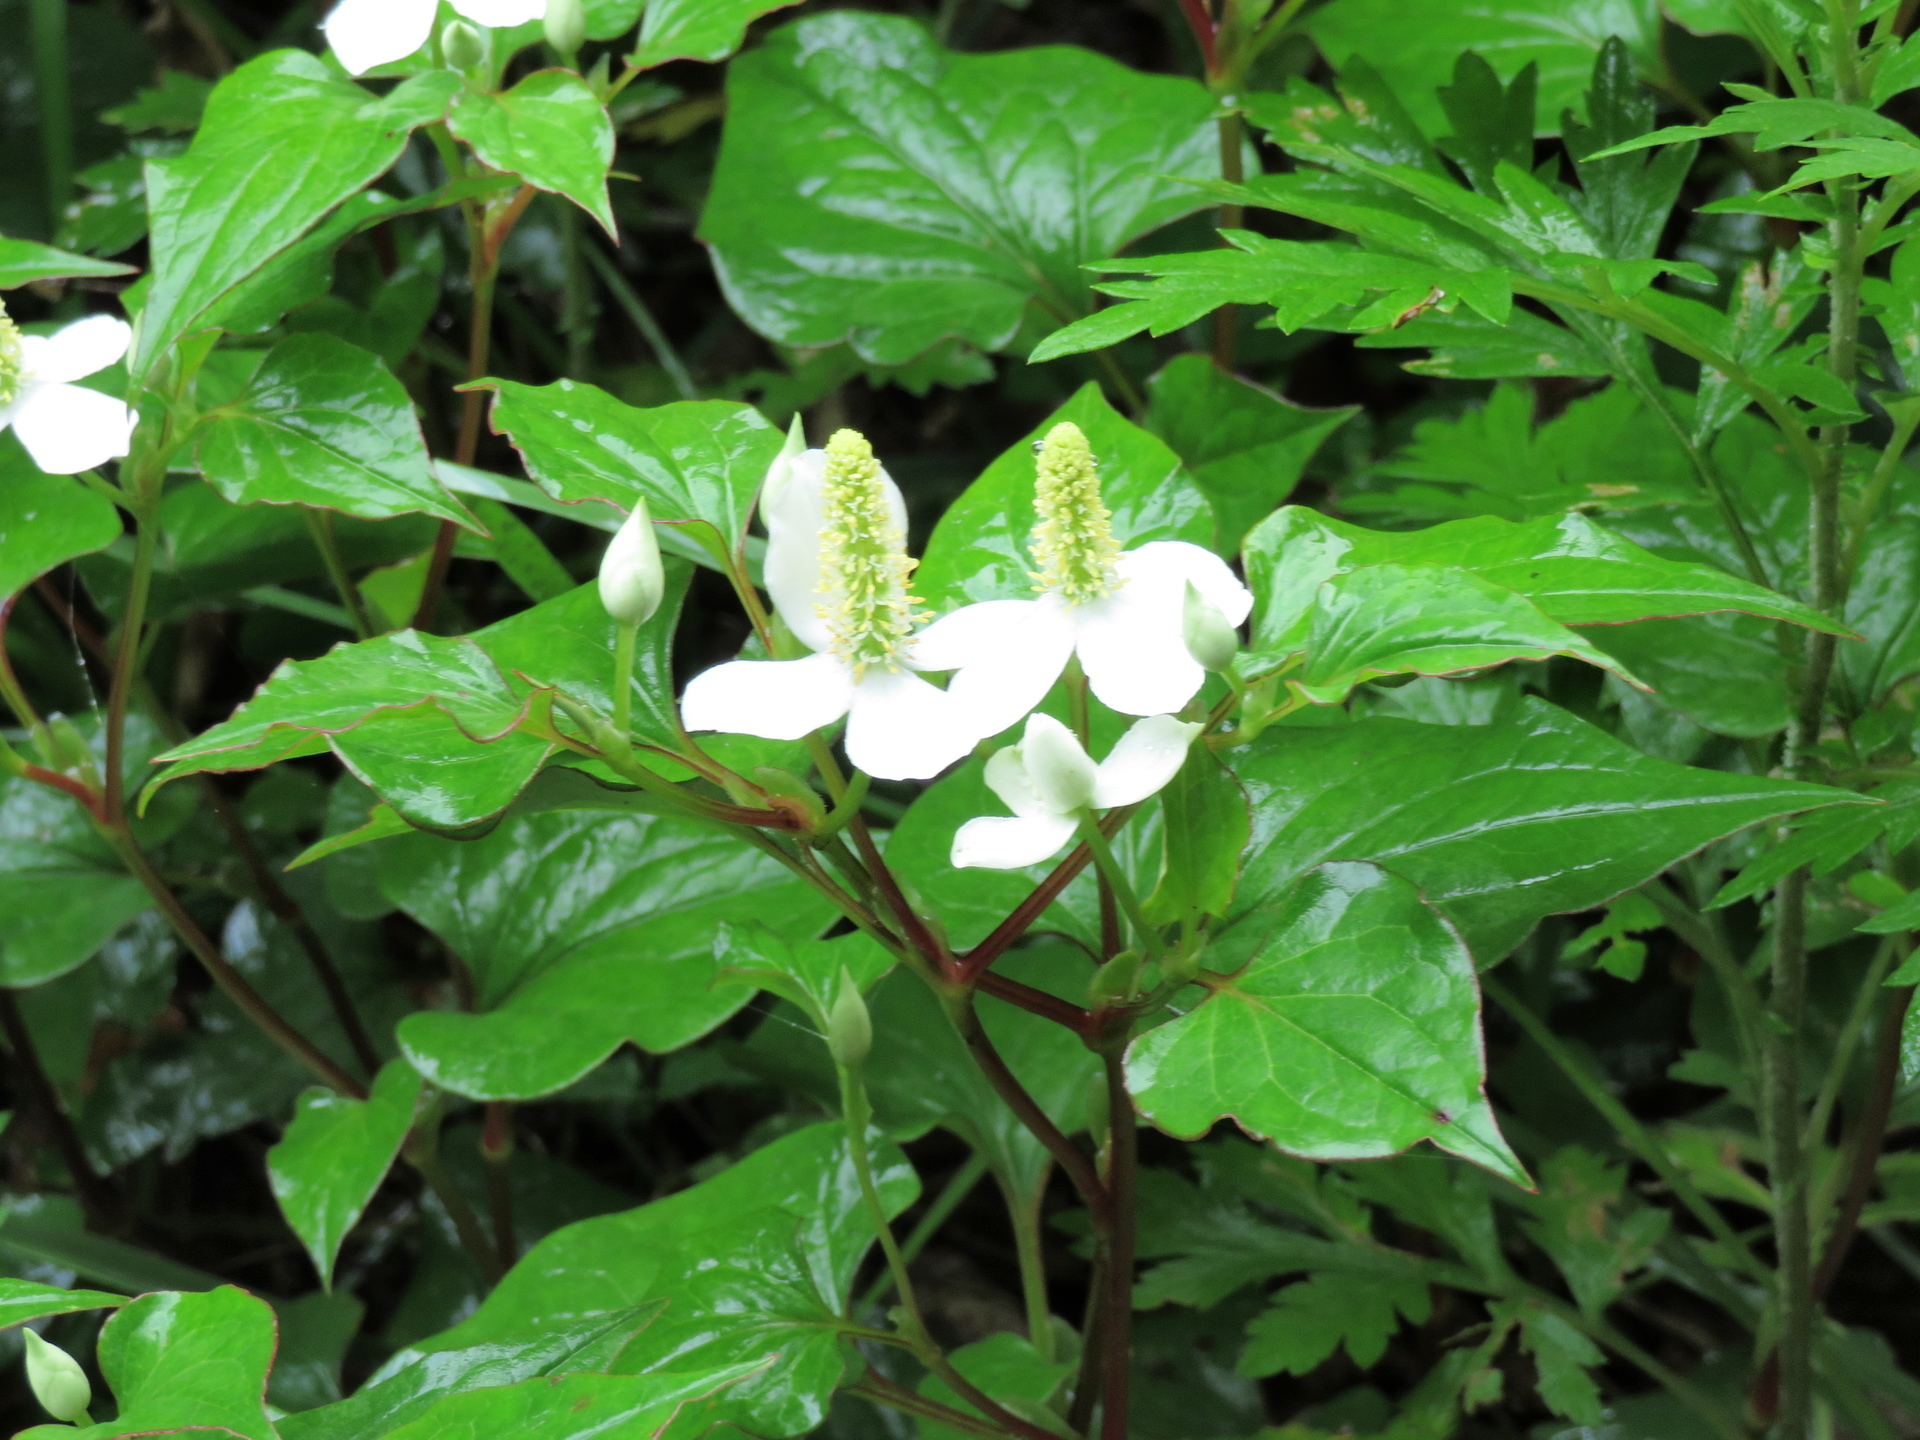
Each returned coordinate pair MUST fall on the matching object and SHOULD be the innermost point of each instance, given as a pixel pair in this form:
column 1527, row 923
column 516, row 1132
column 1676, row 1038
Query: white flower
column 1049, row 782
column 366, row 33
column 66, row 428
column 1123, row 612
column 837, row 571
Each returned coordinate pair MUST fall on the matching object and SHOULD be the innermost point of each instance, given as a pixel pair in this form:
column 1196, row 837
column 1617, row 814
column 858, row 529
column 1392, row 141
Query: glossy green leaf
column 1466, row 346
column 1497, row 824
column 692, row 461
column 315, row 1332
column 551, row 130
column 63, row 891
column 1204, row 826
column 581, row 932
column 179, row 1361
column 46, row 520
column 576, row 1407
column 24, row 261
column 1004, row 1366
column 1244, row 446
column 1562, row 37
column 284, row 141
column 334, row 1155
column 709, row 30
column 979, row 549
column 22, row 1300
column 804, row 972
column 323, row 423
column 724, row 1254
column 877, row 189
column 1347, row 1026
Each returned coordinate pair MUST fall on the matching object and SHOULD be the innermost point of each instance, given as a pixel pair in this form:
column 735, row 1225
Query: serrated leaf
column 334, row 1155
column 1466, row 346
column 875, row 188
column 323, row 423
column 551, row 130
column 1350, row 990
column 1309, row 1321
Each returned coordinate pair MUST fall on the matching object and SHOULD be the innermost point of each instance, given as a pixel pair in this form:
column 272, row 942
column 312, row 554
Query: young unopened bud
column 462, row 46
column 631, row 578
column 58, row 1382
column 1210, row 639
column 1114, row 982
column 566, row 27
column 849, row 1026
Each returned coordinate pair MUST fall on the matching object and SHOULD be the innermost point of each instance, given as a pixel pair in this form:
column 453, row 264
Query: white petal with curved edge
column 901, row 728
column 994, row 843
column 68, row 428
column 1005, row 658
column 76, row 351
column 1133, row 647
column 774, row 699
column 1176, row 562
column 1058, row 766
column 1147, row 757
column 366, row 33
column 793, row 517
column 501, row 13
column 1006, row 776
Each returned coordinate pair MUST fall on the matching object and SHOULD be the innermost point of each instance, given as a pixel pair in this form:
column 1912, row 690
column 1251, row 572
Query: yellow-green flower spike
column 864, row 564
column 12, row 364
column 1073, row 543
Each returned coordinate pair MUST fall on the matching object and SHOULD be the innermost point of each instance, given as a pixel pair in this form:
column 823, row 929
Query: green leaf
column 178, row 1361
column 1205, row 825
column 1312, row 1319
column 1491, row 123
column 22, row 1300
column 49, row 1230
column 979, row 551
column 1244, row 446
column 576, row 1407
column 323, row 423
column 724, row 1254
column 551, row 130
column 334, row 1155
column 1467, row 347
column 709, row 30
column 1005, row 1367
column 1724, row 672
column 1561, row 38
column 1823, row 844
column 284, row 141
column 1498, row 824
column 315, row 1331
column 1627, row 202
column 175, row 105
column 581, row 932
column 1350, row 990
column 874, row 188
column 805, row 972
column 24, row 261
column 696, row 462
column 1596, row 1234
column 63, row 890
column 1561, row 1357
column 46, row 520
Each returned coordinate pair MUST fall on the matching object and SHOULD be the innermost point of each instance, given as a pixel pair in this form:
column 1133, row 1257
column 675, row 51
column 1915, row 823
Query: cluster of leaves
column 325, row 762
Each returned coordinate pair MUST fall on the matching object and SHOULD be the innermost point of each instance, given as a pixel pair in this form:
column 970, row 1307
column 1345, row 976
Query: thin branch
column 97, row 1197
column 1116, row 1333
column 1864, row 1164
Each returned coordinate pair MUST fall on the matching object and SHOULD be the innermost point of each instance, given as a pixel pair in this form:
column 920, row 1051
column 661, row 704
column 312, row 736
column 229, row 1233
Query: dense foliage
column 827, row 720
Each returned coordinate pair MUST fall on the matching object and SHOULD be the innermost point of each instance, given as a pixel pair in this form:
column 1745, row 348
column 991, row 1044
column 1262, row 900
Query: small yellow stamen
column 1073, row 544
column 864, row 563
column 12, row 363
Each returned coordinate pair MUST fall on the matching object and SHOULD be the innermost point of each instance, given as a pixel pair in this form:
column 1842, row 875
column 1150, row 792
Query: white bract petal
column 77, row 351
column 794, row 512
column 1133, row 651
column 901, row 728
column 774, row 699
column 1006, row 775
column 996, row 843
column 366, row 33
column 1057, row 765
column 1005, row 655
column 1148, row 756
column 68, row 428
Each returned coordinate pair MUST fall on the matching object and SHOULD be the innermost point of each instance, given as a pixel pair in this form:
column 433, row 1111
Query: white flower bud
column 1060, row 771
column 566, row 26
column 631, row 577
column 849, row 1026
column 462, row 46
column 1210, row 639
column 58, row 1382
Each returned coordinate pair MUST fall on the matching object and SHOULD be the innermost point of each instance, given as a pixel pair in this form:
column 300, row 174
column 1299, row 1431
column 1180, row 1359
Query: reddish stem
column 1205, row 32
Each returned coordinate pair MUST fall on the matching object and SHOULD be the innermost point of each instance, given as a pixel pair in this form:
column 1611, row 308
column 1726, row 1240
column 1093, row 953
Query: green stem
column 625, row 638
column 1116, row 1330
column 628, row 299
column 496, row 1149
column 320, row 524
column 49, row 23
column 1023, row 1211
column 944, row 1204
column 1845, row 1044
column 126, row 658
column 422, row 1153
column 1227, row 318
column 1110, row 871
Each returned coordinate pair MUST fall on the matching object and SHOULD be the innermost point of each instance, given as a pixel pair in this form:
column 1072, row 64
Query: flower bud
column 1210, row 639
column 462, row 46
column 1114, row 982
column 849, row 1026
column 1061, row 772
column 631, row 578
column 58, row 1382
column 566, row 27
